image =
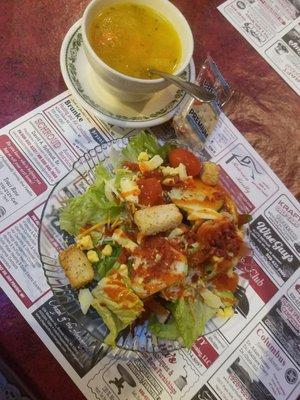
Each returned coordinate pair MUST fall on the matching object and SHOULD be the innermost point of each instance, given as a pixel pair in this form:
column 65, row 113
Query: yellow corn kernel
column 221, row 313
column 225, row 312
column 85, row 243
column 107, row 250
column 143, row 156
column 92, row 256
column 229, row 312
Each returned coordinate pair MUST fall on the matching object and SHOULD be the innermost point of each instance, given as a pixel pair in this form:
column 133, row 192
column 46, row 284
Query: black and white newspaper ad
column 272, row 27
column 254, row 355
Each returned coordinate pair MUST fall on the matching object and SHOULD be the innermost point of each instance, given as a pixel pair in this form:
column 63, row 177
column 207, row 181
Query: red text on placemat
column 23, row 167
column 205, row 351
column 243, row 203
column 258, row 279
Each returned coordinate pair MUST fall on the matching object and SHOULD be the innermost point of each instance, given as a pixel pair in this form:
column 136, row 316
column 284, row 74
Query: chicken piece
column 200, row 202
column 156, row 266
column 201, row 195
column 157, row 219
column 77, row 267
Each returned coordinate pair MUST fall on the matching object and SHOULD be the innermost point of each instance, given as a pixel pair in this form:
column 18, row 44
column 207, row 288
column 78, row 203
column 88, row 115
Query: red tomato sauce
column 123, row 256
column 197, row 259
column 153, row 174
column 160, row 255
column 151, row 192
column 117, row 291
column 224, row 282
column 132, row 166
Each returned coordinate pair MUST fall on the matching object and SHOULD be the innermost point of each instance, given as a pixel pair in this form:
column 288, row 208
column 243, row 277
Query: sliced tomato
column 132, row 166
column 191, row 162
column 151, row 192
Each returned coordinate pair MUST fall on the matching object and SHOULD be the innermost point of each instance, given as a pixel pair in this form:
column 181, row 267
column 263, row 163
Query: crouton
column 157, row 219
column 210, row 173
column 77, row 267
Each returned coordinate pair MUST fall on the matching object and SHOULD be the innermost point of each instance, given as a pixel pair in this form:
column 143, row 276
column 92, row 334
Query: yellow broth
column 134, row 38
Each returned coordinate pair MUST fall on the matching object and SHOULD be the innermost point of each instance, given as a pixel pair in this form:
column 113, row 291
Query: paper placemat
column 272, row 27
column 255, row 355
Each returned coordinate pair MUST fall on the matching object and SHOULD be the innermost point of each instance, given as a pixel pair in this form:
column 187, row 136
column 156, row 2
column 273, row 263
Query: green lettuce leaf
column 101, row 175
column 227, row 297
column 108, row 262
column 116, row 302
column 191, row 318
column 188, row 321
column 168, row 331
column 144, row 141
column 112, row 322
column 121, row 173
column 92, row 207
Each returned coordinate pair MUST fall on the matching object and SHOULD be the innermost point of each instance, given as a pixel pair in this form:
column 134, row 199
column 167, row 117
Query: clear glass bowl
column 52, row 240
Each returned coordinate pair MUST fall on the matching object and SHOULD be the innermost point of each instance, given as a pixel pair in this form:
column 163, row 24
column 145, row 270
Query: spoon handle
column 194, row 90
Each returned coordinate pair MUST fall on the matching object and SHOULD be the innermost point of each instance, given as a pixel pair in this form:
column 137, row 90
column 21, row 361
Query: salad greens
column 113, row 323
column 188, row 321
column 145, row 142
column 200, row 252
column 168, row 330
column 116, row 302
column 106, row 263
column 92, row 207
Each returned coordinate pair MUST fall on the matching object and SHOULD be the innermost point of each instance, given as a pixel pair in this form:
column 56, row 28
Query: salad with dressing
column 156, row 239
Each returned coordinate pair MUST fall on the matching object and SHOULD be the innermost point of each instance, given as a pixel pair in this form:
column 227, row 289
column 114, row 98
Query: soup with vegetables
column 133, row 39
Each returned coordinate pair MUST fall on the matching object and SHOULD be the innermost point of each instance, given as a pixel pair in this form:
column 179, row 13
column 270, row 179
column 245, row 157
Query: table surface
column 265, row 110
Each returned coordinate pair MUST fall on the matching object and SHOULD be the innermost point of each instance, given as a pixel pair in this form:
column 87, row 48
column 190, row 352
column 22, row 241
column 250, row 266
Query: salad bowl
column 52, row 240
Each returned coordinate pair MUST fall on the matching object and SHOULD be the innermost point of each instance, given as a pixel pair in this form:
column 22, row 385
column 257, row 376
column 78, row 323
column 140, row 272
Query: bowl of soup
column 124, row 40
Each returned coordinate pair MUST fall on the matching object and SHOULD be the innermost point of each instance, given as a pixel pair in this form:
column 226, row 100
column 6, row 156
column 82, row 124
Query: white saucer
column 87, row 89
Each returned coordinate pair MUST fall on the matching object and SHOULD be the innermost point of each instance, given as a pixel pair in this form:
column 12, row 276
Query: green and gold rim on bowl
column 71, row 47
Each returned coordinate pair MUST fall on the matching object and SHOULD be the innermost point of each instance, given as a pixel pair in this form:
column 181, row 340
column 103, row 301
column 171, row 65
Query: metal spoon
column 194, row 90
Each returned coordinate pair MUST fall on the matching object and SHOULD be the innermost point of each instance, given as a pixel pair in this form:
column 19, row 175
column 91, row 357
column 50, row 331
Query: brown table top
column 265, row 109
